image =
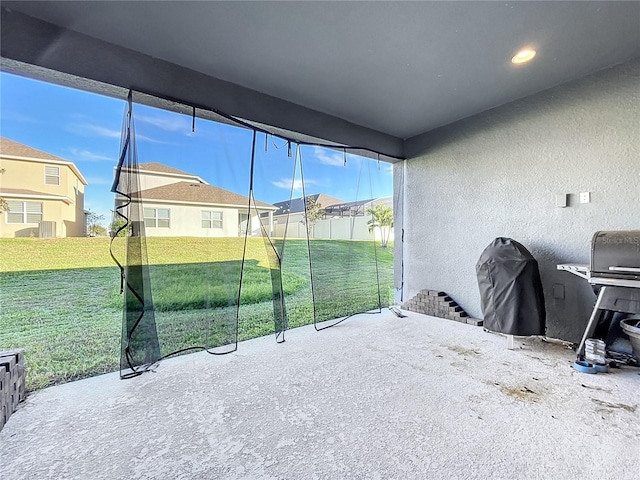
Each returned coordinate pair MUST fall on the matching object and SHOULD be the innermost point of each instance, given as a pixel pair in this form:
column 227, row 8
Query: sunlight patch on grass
column 60, row 300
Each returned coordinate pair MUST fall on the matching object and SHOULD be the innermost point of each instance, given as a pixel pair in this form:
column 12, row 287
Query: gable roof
column 159, row 167
column 196, row 193
column 10, row 148
column 296, row 205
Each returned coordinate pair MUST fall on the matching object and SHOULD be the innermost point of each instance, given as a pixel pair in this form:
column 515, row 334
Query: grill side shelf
column 579, row 269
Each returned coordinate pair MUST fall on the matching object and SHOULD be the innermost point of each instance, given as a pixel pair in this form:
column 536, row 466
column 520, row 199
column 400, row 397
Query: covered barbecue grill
column 510, row 289
column 615, row 269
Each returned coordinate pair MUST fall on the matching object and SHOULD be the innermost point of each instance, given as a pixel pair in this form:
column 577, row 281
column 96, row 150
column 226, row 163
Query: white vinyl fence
column 353, row 228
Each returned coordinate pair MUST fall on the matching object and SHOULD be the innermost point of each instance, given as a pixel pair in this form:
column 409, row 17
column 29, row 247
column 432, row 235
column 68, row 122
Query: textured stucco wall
column 497, row 174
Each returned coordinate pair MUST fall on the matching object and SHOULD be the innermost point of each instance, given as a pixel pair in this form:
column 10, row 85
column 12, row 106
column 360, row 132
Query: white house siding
column 255, row 228
column 186, row 221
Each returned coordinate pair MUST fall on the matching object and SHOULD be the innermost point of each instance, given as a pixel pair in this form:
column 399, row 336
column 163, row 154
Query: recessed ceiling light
column 524, row 56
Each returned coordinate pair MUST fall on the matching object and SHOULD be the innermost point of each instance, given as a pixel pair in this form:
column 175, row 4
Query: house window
column 211, row 219
column 24, row 212
column 51, row 175
column 156, row 217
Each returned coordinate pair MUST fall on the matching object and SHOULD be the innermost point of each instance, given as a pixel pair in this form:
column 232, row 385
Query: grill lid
column 616, row 254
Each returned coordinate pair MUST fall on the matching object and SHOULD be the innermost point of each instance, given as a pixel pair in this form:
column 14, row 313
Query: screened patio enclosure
column 233, row 282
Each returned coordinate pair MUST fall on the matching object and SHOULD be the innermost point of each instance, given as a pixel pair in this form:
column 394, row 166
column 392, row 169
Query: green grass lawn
column 60, row 300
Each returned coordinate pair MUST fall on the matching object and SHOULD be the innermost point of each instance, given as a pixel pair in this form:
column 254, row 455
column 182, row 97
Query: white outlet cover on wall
column 585, row 197
column 561, row 200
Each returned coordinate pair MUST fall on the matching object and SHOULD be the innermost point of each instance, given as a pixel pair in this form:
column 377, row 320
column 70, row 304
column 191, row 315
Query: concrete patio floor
column 376, row 397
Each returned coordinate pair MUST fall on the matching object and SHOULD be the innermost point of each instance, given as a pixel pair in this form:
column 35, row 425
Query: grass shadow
column 69, row 318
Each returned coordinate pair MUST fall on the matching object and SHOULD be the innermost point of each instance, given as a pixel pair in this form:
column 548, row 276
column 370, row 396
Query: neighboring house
column 44, row 193
column 356, row 209
column 176, row 203
column 293, row 209
column 341, row 220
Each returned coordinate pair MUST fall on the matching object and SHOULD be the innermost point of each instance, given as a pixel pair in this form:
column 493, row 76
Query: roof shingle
column 159, row 167
column 9, row 147
column 196, row 193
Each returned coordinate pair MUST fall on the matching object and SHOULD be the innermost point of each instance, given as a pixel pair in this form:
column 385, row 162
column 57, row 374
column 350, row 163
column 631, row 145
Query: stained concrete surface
column 376, row 397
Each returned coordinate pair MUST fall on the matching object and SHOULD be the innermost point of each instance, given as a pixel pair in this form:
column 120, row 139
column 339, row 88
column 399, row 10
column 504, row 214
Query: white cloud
column 88, row 129
column 144, row 138
column 334, row 159
column 168, row 123
column 297, row 184
column 17, row 117
column 87, row 156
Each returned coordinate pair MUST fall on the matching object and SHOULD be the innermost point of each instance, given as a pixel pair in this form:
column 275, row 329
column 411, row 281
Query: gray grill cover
column 510, row 289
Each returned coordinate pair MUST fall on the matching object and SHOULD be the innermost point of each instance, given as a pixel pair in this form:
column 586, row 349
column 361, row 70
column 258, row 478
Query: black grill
column 616, row 254
column 615, row 270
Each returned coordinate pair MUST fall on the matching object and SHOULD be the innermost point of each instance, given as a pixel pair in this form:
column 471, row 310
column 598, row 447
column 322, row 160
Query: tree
column 382, row 218
column 313, row 212
column 100, row 231
column 4, row 206
column 94, row 227
column 116, row 224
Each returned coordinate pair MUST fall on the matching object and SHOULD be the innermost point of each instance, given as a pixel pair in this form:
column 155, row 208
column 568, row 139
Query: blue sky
column 85, row 128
